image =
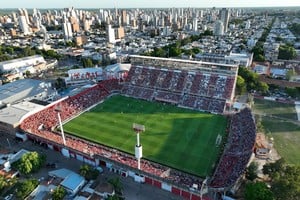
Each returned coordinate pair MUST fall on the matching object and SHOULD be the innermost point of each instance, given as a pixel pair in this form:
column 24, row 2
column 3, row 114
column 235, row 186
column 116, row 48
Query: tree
column 87, row 62
column 259, row 125
column 27, row 51
column 258, row 52
column 287, row 52
column 88, row 173
column 51, row 54
column 272, row 169
column 207, row 32
column 60, row 83
column 258, row 191
column 30, row 162
column 196, row 50
column 290, row 73
column 295, row 29
column 251, row 171
column 158, row 52
column 23, row 189
column 174, row 51
column 59, row 193
column 240, row 85
column 262, row 87
column 3, row 182
column 293, row 91
column 260, row 58
column 117, row 185
column 285, row 179
column 252, row 80
column 27, row 73
column 9, row 50
column 287, row 184
column 25, row 166
column 114, row 197
column 84, row 169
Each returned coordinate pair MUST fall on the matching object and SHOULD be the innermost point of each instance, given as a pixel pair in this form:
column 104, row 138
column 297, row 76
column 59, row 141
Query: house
column 71, row 181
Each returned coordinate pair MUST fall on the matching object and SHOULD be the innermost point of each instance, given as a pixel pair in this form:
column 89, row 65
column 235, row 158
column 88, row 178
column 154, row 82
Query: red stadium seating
column 238, row 150
column 206, row 92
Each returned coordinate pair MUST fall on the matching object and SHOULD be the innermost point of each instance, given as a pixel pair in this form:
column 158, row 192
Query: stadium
column 191, row 139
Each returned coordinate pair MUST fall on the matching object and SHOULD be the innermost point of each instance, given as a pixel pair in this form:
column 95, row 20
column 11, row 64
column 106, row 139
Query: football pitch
column 180, row 138
column 280, row 121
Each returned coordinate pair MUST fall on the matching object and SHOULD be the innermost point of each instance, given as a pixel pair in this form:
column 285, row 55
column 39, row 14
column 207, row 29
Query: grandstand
column 200, row 86
column 196, row 85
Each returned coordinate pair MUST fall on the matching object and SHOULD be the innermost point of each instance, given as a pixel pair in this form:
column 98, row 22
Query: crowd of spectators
column 196, row 90
column 139, row 92
column 42, row 123
column 238, row 150
column 143, row 84
column 47, row 118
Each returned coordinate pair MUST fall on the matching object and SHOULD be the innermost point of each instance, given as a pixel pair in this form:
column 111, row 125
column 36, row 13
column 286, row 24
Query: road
column 131, row 189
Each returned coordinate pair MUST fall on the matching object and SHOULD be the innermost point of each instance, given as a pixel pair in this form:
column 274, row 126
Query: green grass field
column 180, row 138
column 286, row 138
column 282, row 126
column 276, row 109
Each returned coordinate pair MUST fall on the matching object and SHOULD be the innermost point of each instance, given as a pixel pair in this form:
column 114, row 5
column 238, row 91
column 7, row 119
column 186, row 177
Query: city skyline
column 146, row 3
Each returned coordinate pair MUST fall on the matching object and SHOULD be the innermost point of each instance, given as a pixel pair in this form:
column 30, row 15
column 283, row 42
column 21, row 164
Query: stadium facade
column 201, row 86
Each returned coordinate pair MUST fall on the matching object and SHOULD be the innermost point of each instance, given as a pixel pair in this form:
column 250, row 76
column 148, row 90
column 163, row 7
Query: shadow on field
column 118, row 103
column 277, row 125
column 190, row 146
column 292, row 116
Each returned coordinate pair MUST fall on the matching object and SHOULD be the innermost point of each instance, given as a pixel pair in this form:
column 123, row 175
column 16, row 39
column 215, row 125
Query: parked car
column 51, row 165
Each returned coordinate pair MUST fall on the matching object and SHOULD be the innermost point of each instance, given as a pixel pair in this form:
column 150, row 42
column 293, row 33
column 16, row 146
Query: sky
column 145, row 3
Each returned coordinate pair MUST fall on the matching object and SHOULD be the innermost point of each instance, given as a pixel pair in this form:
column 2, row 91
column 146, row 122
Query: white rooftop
column 21, row 89
column 14, row 114
column 20, row 59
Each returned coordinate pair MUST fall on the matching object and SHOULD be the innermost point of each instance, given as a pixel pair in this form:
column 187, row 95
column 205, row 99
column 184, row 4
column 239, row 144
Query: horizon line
column 154, row 7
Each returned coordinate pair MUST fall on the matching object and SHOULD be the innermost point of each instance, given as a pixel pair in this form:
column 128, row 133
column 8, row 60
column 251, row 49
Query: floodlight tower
column 138, row 147
column 58, row 110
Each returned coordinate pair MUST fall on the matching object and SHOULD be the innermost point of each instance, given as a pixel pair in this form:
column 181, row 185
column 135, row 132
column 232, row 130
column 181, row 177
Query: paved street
column 132, row 190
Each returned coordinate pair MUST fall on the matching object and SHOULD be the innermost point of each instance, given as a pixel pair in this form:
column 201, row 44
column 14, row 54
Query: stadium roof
column 20, row 90
column 14, row 114
column 118, row 67
column 183, row 61
column 211, row 67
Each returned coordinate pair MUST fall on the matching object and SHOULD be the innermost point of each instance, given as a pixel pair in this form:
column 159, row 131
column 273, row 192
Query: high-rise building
column 224, row 17
column 13, row 32
column 75, row 28
column 141, row 26
column 120, row 33
column 133, row 23
column 80, row 40
column 124, row 18
column 195, row 24
column 86, row 25
column 23, row 25
column 25, row 13
column 67, row 29
column 111, row 34
column 219, row 28
column 248, row 24
column 14, row 17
